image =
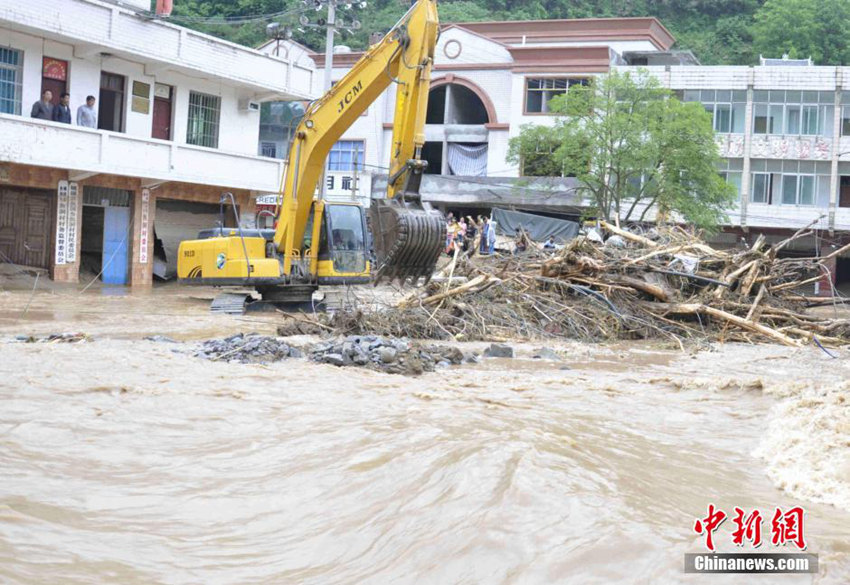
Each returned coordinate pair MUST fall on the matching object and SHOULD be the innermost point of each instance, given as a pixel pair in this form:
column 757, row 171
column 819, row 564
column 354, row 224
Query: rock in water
column 499, row 350
column 546, row 353
column 388, row 355
column 334, row 359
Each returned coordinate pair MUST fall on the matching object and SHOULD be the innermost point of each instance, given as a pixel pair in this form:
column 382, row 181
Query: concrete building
column 783, row 126
column 784, row 130
column 489, row 79
column 178, row 125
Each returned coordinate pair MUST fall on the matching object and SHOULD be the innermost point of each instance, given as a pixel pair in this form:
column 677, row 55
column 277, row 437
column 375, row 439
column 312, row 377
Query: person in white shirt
column 87, row 115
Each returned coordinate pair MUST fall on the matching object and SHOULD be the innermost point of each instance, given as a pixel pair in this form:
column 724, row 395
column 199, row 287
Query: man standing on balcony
column 86, row 114
column 62, row 111
column 43, row 109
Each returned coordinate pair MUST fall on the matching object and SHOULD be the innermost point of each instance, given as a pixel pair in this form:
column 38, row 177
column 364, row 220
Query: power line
column 235, row 20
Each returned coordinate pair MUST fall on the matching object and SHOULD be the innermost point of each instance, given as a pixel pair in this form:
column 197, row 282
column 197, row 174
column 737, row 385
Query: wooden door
column 162, row 112
column 54, row 76
column 26, row 227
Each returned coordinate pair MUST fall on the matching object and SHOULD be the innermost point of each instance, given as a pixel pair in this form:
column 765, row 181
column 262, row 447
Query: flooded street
column 128, row 461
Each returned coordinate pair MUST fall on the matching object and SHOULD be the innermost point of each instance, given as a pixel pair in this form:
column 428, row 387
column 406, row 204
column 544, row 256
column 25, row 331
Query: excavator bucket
column 407, row 238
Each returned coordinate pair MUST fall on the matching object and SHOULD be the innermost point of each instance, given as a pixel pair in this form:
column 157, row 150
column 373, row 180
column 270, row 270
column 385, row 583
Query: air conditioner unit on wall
column 249, row 106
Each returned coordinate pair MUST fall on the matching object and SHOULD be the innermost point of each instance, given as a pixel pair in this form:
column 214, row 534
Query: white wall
column 239, row 131
column 117, row 30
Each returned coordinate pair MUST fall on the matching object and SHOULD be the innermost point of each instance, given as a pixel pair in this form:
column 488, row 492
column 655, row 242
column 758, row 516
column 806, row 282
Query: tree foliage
column 805, row 28
column 632, row 145
column 694, row 22
column 718, row 31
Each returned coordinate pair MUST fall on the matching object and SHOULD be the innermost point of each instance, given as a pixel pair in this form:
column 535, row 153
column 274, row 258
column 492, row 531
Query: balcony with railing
column 97, row 27
column 84, row 150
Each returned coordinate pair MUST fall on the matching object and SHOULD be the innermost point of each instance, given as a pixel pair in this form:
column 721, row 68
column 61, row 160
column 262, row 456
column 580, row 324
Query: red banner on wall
column 55, row 69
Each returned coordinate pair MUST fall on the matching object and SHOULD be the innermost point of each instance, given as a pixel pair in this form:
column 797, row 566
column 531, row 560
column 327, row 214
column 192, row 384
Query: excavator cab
column 343, row 252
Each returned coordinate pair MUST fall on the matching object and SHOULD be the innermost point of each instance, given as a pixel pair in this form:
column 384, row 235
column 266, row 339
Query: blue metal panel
column 116, row 228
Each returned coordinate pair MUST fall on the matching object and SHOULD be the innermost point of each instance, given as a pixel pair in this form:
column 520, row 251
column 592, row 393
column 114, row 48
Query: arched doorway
column 458, row 112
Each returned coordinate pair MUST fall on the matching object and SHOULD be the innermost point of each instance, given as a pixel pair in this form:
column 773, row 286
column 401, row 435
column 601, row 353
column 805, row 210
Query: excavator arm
column 407, row 238
column 284, row 266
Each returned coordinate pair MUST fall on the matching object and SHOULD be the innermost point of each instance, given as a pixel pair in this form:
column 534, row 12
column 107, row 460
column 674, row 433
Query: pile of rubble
column 55, row 338
column 388, row 354
column 251, row 348
column 667, row 283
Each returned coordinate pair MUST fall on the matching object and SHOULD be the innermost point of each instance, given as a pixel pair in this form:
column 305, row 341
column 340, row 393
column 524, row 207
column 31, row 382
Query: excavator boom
column 318, row 242
column 407, row 237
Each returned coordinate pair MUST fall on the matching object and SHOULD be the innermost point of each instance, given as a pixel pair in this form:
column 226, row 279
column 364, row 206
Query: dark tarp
column 538, row 227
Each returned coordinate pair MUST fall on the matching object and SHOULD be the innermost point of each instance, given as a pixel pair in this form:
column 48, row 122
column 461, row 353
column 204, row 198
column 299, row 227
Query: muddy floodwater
column 128, row 461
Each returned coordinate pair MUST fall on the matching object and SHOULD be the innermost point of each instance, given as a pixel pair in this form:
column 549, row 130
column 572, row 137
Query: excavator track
column 408, row 241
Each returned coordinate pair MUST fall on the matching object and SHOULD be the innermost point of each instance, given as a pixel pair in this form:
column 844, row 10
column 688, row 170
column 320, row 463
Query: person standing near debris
column 491, row 238
column 550, row 243
column 521, row 245
column 471, row 232
column 485, row 229
column 452, row 236
column 460, row 238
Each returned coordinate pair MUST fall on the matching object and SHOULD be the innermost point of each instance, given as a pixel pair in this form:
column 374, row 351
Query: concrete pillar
column 748, row 139
column 834, row 183
column 68, row 271
column 141, row 250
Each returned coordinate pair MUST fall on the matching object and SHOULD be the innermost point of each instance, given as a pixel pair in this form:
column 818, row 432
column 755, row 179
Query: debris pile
column 55, row 338
column 388, row 354
column 251, row 348
column 665, row 284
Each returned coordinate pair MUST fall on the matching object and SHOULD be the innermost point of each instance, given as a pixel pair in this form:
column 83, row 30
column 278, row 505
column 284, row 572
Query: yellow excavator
column 317, row 242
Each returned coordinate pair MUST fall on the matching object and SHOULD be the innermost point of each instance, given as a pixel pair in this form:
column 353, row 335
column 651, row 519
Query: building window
column 761, row 188
column 268, row 149
column 790, row 182
column 793, row 112
column 845, row 113
column 204, row 115
column 731, row 172
column 728, row 108
column 10, row 81
column 346, row 155
column 538, row 92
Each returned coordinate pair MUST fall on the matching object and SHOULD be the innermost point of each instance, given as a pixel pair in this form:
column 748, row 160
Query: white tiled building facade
column 480, row 81
column 178, row 126
column 785, row 133
column 499, row 75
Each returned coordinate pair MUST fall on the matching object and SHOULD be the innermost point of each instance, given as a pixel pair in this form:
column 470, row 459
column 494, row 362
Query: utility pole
column 329, row 65
column 330, row 29
column 329, row 43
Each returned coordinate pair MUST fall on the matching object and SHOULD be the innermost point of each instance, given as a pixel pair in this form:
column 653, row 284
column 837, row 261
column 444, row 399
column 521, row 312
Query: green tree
column 633, row 146
column 804, row 28
column 719, row 31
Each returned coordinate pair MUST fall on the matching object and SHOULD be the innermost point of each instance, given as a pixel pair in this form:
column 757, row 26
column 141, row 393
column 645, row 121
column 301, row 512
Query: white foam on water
column 806, row 446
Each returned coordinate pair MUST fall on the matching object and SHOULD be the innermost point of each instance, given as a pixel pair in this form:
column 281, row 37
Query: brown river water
column 125, row 461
